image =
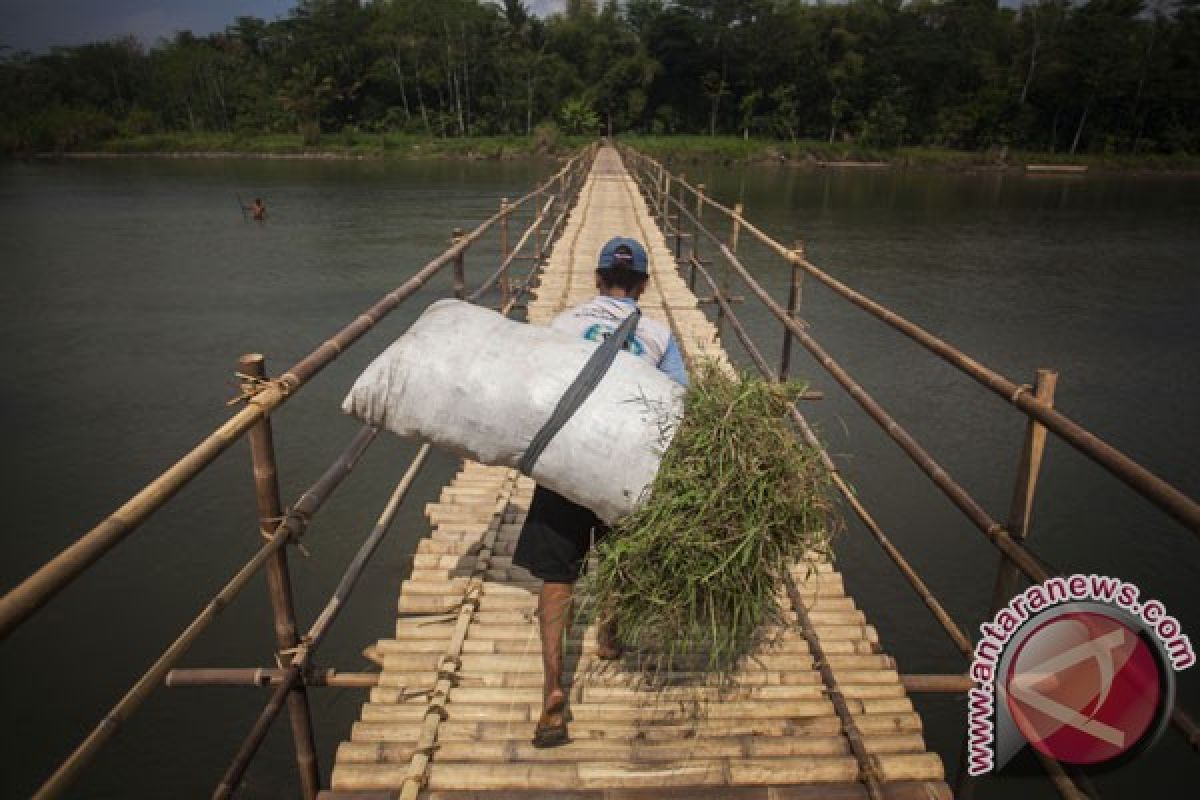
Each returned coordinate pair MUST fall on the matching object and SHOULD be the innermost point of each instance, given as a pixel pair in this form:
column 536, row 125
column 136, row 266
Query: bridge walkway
column 459, row 694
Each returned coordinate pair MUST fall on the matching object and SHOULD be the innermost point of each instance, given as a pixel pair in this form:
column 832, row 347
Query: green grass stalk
column 695, row 575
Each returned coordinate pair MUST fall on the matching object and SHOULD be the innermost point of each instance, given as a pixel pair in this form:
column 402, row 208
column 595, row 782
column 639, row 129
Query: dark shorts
column 555, row 537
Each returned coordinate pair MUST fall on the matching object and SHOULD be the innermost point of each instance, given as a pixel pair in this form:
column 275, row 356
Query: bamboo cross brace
column 312, row 640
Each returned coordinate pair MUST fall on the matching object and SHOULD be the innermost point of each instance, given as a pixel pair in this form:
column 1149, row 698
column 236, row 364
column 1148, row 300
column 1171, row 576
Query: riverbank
column 676, row 150
column 731, row 150
column 349, row 145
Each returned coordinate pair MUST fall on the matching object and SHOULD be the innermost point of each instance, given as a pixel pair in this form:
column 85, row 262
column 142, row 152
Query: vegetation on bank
column 347, row 144
column 677, row 151
column 683, row 150
column 1105, row 78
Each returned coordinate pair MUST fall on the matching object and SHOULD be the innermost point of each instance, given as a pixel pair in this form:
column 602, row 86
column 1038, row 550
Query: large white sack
column 481, row 385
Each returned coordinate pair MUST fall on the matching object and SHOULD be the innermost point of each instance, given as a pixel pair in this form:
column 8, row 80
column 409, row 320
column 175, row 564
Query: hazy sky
column 39, row 24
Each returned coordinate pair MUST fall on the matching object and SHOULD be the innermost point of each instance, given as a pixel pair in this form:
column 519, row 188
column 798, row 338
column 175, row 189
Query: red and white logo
column 1084, row 687
column 1081, row 667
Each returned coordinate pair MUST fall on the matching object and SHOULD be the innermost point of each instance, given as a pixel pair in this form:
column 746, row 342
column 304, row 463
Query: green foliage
column 545, row 138
column 310, row 133
column 884, row 125
column 1109, row 77
column 139, row 122
column 60, row 128
column 694, row 572
column 578, row 117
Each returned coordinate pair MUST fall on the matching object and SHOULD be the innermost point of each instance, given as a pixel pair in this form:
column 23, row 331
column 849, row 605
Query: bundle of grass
column 694, row 574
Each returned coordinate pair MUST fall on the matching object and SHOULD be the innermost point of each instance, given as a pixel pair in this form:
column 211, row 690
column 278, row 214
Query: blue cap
column 623, row 252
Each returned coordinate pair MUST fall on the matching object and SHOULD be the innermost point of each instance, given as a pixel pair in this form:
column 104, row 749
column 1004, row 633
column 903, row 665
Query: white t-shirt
column 598, row 318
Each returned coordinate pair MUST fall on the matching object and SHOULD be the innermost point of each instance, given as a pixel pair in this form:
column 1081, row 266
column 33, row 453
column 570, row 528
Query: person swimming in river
column 257, row 209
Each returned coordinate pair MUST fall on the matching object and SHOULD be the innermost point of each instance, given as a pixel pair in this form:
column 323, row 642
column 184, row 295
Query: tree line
column 1113, row 76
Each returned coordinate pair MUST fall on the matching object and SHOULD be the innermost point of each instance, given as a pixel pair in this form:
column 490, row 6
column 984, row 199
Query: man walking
column 557, row 532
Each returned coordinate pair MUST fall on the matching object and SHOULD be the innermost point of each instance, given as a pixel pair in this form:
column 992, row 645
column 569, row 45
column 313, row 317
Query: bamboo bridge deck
column 459, row 693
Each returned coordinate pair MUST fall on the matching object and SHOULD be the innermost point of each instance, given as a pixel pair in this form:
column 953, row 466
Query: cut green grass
column 694, row 575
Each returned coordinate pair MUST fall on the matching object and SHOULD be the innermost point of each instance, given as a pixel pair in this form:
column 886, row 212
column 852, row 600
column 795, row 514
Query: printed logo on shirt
column 598, row 333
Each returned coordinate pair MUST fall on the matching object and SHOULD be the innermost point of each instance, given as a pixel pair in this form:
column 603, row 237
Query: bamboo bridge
column 820, row 711
column 459, row 694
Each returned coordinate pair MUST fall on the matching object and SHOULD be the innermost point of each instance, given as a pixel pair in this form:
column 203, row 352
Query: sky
column 38, row 25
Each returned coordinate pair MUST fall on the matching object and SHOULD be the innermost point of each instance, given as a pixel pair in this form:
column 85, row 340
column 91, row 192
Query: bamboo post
column 695, row 232
column 675, row 220
column 266, row 485
column 505, row 283
column 734, row 231
column 664, row 198
column 1028, row 469
column 460, row 275
column 736, row 228
column 794, row 295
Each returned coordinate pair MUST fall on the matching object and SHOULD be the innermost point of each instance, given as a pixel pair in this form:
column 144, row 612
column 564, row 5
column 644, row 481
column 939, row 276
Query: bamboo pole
column 949, row 684
column 734, row 233
column 293, row 525
column 267, row 677
column 1153, row 488
column 460, row 278
column 794, row 294
column 312, row 640
column 735, row 229
column 35, row 591
column 1029, row 468
column 279, row 587
column 505, row 288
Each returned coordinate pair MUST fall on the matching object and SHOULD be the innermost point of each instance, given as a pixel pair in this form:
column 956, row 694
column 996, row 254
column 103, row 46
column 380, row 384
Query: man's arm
column 672, row 363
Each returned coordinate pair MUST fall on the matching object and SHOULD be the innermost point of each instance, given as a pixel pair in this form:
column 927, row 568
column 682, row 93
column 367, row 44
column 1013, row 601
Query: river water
column 131, row 287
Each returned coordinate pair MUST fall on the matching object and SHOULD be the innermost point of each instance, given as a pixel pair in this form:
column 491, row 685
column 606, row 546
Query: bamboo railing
column 261, row 397
column 678, row 204
column 681, row 205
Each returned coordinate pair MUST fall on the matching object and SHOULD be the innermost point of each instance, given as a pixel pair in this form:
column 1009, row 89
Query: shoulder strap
column 580, row 389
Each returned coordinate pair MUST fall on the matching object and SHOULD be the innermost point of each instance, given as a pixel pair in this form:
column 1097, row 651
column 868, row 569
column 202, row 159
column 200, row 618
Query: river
column 132, row 286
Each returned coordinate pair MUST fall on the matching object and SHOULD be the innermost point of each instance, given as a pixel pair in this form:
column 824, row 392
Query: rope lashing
column 251, row 386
